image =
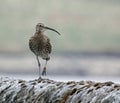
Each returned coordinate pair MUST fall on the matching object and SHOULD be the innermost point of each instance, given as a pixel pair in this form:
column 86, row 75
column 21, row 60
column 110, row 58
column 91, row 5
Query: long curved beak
column 52, row 30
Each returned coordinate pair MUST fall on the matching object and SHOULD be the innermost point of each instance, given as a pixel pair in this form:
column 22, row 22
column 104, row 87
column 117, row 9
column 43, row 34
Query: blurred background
column 89, row 46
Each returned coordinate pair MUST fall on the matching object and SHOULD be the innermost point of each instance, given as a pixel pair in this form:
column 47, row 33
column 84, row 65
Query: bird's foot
column 39, row 79
column 44, row 71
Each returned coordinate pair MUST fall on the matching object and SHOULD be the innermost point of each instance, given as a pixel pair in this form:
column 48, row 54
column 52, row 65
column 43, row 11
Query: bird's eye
column 40, row 25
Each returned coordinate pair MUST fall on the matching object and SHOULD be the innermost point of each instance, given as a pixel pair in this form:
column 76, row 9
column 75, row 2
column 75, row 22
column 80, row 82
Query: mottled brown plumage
column 40, row 45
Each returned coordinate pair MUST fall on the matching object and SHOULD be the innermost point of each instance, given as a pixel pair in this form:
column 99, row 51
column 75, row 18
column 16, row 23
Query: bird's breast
column 39, row 46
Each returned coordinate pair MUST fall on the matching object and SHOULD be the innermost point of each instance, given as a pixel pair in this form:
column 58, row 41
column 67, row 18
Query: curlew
column 40, row 45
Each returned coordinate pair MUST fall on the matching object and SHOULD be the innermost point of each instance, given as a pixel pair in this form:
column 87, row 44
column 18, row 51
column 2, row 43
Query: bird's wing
column 31, row 45
column 48, row 46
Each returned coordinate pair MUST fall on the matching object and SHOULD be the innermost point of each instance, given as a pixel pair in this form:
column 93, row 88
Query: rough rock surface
column 49, row 91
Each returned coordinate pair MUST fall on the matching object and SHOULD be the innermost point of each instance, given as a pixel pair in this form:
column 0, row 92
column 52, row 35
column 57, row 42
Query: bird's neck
column 38, row 33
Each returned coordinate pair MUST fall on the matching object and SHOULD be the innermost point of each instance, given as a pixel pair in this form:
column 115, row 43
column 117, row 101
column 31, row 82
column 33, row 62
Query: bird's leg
column 38, row 66
column 44, row 69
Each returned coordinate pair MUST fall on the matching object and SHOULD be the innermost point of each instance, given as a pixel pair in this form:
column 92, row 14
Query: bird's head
column 40, row 27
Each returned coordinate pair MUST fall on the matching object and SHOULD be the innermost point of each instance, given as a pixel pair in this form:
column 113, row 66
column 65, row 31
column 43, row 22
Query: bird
column 40, row 45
